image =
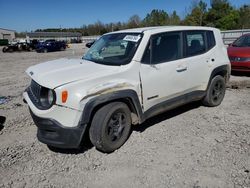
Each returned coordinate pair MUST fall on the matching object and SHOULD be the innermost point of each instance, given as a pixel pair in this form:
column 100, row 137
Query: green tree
column 134, row 21
column 196, row 17
column 244, row 21
column 222, row 15
column 156, row 18
column 174, row 19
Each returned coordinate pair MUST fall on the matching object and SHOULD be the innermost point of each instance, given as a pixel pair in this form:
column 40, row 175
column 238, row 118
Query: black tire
column 4, row 49
column 45, row 50
column 62, row 49
column 216, row 92
column 110, row 127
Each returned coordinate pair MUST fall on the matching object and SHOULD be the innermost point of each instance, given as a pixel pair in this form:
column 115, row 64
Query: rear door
column 163, row 71
column 199, row 57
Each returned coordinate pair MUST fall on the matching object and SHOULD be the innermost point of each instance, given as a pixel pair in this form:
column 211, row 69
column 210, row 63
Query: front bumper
column 41, row 49
column 58, row 126
column 52, row 133
column 240, row 66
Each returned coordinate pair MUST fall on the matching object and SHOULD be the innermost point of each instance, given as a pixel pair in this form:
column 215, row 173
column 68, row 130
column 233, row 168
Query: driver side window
column 165, row 47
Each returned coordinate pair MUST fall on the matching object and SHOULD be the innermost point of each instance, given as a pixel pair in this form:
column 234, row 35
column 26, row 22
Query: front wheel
column 4, row 49
column 62, row 49
column 216, row 92
column 110, row 127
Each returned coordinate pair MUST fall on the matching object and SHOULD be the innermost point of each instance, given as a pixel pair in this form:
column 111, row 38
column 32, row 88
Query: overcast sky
column 28, row 15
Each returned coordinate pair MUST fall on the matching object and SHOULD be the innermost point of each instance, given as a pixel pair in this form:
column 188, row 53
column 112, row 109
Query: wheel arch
column 129, row 97
column 223, row 70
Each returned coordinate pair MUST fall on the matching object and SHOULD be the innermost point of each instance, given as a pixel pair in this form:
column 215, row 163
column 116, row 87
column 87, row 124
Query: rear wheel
column 215, row 92
column 110, row 127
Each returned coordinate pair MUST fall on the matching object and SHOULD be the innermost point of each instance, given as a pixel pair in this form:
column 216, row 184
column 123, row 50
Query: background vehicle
column 72, row 41
column 239, row 54
column 125, row 78
column 89, row 44
column 19, row 46
column 50, row 46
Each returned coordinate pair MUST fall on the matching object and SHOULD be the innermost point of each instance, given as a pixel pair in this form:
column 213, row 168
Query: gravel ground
column 192, row 146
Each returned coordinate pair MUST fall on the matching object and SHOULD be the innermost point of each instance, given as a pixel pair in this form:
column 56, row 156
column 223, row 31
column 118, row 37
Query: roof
column 157, row 29
column 8, row 29
column 53, row 34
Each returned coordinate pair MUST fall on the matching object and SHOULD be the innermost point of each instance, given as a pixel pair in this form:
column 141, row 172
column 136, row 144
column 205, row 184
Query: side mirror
column 89, row 44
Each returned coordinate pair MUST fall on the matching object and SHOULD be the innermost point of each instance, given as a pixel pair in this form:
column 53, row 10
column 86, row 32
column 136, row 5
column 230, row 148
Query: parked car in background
column 4, row 42
column 33, row 43
column 50, row 46
column 18, row 46
column 75, row 41
column 89, row 44
column 239, row 54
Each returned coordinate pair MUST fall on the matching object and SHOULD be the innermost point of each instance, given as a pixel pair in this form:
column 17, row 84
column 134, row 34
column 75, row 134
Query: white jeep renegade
column 125, row 78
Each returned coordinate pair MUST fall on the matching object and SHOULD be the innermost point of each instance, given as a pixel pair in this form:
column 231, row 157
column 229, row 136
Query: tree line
column 221, row 14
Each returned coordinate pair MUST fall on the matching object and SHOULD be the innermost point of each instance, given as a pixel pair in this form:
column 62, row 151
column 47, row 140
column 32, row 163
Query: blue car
column 51, row 46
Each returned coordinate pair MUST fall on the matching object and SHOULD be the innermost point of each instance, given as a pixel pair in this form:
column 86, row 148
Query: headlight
column 47, row 97
column 240, row 59
column 50, row 96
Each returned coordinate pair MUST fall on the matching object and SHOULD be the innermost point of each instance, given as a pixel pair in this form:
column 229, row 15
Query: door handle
column 181, row 69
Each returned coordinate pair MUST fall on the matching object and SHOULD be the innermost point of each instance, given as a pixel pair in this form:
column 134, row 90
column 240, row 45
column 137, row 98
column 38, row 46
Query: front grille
column 34, row 92
column 232, row 58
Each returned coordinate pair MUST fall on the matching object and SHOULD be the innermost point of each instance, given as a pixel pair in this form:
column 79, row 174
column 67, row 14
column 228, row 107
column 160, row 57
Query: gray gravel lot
column 192, row 146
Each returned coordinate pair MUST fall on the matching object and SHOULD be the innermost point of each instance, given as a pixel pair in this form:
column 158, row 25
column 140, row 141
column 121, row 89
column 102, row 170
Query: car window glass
column 146, row 55
column 114, row 49
column 210, row 39
column 195, row 43
column 243, row 41
column 166, row 47
column 117, row 48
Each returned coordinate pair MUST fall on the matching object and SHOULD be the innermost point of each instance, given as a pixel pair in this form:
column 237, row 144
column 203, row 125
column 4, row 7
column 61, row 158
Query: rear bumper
column 52, row 133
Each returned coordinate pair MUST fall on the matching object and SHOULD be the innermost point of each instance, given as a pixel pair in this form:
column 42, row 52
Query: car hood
column 239, row 51
column 59, row 72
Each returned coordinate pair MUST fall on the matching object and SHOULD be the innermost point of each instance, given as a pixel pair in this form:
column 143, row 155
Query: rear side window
column 195, row 43
column 210, row 40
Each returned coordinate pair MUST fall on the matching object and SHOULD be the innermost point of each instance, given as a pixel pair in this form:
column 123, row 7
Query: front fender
column 94, row 102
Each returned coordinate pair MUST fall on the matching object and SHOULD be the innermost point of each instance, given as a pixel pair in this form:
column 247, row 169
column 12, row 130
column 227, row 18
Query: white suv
column 125, row 78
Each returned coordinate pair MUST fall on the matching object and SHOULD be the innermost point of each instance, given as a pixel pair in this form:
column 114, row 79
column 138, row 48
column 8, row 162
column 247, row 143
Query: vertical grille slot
column 34, row 92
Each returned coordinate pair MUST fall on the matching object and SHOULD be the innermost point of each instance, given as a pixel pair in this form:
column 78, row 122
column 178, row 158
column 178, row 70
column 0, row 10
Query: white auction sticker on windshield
column 132, row 38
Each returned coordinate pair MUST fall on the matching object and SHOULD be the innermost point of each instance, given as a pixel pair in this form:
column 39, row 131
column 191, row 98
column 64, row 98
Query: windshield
column 243, row 41
column 114, row 49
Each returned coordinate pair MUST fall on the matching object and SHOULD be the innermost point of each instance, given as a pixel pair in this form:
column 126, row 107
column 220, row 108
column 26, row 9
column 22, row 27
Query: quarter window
column 210, row 40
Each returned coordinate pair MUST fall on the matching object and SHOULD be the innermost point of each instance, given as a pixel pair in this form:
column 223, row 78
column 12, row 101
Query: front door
column 163, row 71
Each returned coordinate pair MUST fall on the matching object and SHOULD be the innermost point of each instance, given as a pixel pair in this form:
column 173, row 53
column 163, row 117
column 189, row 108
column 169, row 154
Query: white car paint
column 84, row 79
